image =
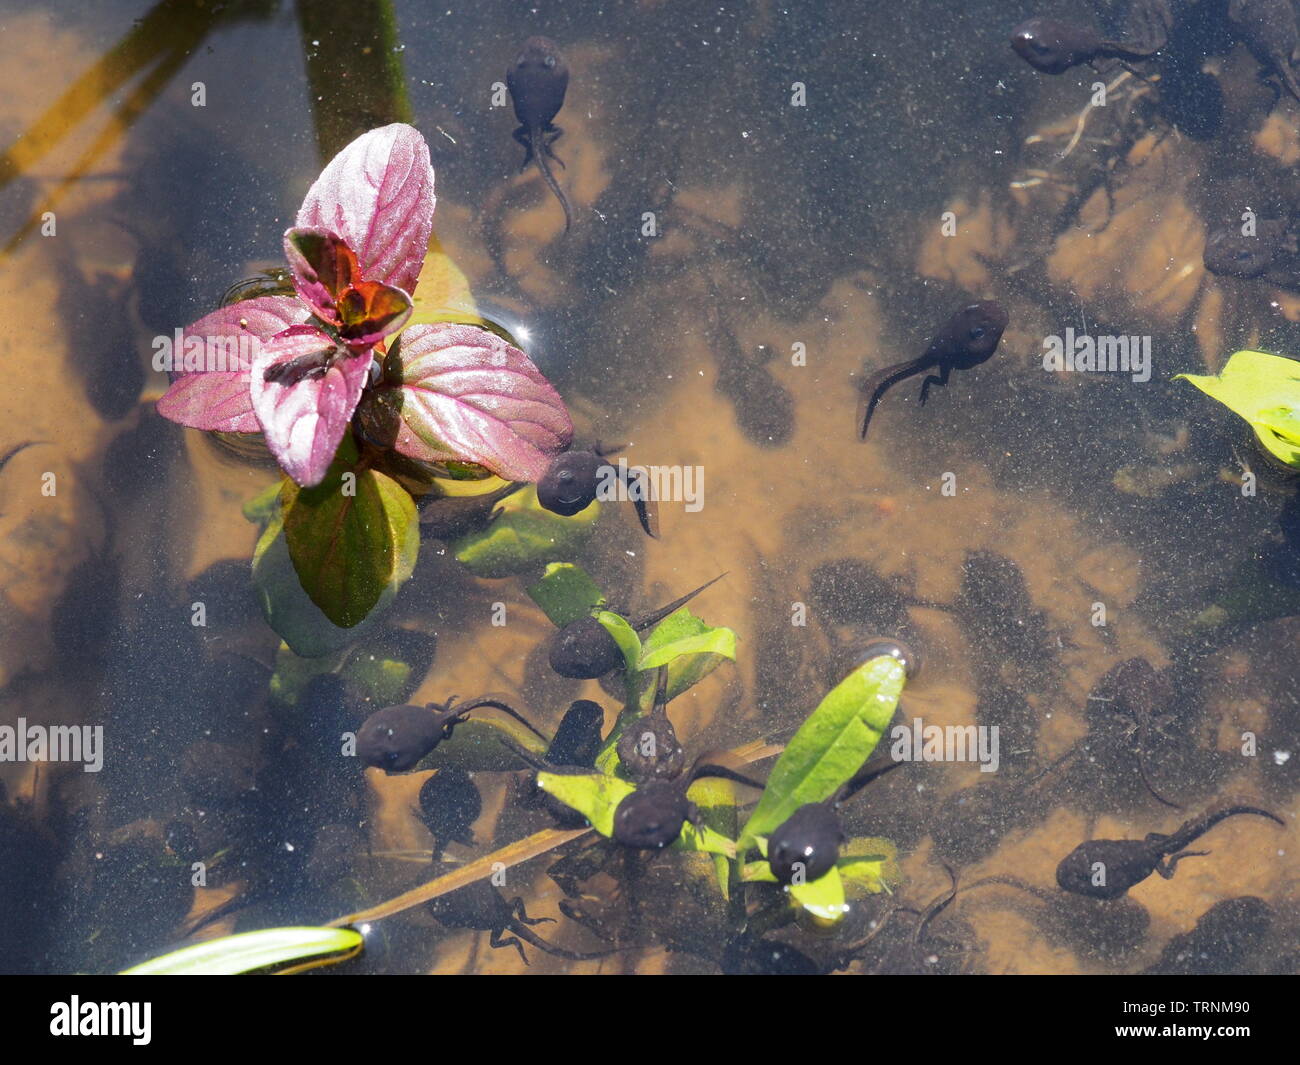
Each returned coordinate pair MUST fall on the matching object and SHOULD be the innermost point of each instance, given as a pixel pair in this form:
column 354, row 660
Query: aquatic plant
column 827, row 751
column 1265, row 390
column 306, row 368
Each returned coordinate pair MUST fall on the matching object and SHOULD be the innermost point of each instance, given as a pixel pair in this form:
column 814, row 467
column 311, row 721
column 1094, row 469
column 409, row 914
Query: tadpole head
column 395, row 738
column 570, row 484
column 652, row 816
column 449, row 804
column 649, row 749
column 805, row 845
column 1044, row 44
column 584, row 650
column 577, row 741
column 883, row 646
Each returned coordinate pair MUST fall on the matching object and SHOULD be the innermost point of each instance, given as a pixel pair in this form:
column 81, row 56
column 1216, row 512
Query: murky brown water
column 779, row 229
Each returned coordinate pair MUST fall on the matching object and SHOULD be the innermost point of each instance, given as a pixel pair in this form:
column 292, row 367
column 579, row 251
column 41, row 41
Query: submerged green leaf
column 281, row 949
column 351, row 537
column 1264, row 389
column 821, row 899
column 594, row 795
column 868, row 865
column 566, row 594
column 288, row 609
column 524, row 535
column 681, row 633
column 831, row 745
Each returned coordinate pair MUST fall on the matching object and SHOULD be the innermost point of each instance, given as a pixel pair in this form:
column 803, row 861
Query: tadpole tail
column 658, row 615
column 1195, row 829
column 4, row 459
column 712, row 769
column 880, row 382
column 525, row 933
column 496, row 704
column 524, row 755
column 554, row 186
column 1146, row 780
column 946, row 900
column 863, row 777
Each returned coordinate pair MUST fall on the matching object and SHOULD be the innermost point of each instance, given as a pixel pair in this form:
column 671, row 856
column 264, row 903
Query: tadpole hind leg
column 1167, row 867
column 521, row 135
column 501, row 939
column 518, row 912
column 550, row 136
column 940, row 379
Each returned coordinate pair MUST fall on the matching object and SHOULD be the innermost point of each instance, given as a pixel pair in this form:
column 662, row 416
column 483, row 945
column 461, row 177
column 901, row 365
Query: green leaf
column 868, row 866
column 831, row 746
column 594, row 795
column 566, row 594
column 523, row 536
column 271, row 948
column 287, row 609
column 350, row 542
column 624, row 635
column 681, row 633
column 703, row 838
column 476, row 746
column 716, row 800
column 264, row 506
column 1265, row 390
column 822, row 899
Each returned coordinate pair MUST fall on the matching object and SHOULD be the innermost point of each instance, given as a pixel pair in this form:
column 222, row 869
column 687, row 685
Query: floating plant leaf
column 1265, row 390
column 461, row 392
column 377, row 194
column 831, row 745
column 203, row 396
column 305, row 388
column 868, row 866
column 523, row 536
column 566, row 594
column 444, row 292
column 822, row 899
column 329, row 280
column 351, row 537
column 284, row 950
column 594, row 795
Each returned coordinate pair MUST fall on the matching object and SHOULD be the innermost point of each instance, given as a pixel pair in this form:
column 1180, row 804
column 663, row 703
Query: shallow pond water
column 769, row 204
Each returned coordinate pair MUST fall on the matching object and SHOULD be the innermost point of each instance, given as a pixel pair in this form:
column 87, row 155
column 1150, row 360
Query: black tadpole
column 584, row 649
column 573, row 481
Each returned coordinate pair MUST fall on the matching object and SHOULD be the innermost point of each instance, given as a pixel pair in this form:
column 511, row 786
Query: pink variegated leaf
column 377, row 195
column 464, row 393
column 206, row 398
column 327, row 277
column 305, row 387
